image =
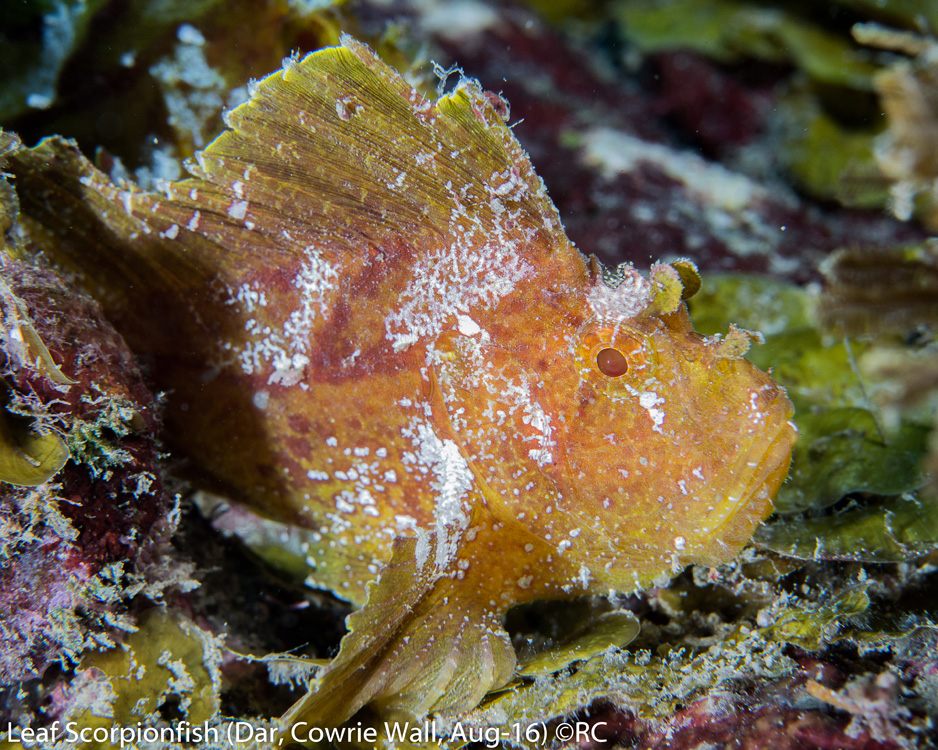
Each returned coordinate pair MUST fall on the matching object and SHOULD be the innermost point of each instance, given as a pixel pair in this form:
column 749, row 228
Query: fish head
column 672, row 444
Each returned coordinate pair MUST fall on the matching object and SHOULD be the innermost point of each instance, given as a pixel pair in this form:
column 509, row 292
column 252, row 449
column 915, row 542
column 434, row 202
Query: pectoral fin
column 428, row 640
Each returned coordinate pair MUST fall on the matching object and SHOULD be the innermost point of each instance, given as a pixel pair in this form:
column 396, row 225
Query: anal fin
column 429, row 639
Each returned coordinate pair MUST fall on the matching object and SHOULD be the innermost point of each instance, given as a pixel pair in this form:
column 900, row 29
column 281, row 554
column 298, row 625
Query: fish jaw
column 629, row 549
column 744, row 493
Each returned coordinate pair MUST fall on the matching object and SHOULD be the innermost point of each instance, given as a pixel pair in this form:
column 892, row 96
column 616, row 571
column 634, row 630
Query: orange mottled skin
column 374, row 327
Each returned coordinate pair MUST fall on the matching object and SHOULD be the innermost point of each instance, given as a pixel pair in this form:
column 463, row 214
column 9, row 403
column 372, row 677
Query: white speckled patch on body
column 473, row 272
column 513, row 410
column 286, row 347
column 651, row 402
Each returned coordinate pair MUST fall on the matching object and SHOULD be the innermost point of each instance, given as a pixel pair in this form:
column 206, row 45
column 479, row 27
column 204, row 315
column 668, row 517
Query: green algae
column 730, row 31
column 648, row 684
column 880, row 530
column 94, row 441
column 167, row 657
column 829, row 159
column 28, row 458
column 813, row 626
column 759, row 303
column 607, row 631
column 829, row 120
column 281, row 546
column 652, row 684
column 842, row 451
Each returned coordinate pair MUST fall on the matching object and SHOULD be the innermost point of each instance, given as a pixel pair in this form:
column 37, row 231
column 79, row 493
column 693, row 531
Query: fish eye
column 612, row 362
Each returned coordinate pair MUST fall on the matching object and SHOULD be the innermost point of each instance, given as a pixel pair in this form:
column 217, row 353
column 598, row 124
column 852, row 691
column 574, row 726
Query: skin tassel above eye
column 371, row 325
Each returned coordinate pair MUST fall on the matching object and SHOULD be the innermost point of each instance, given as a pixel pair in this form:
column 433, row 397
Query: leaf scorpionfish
column 373, row 326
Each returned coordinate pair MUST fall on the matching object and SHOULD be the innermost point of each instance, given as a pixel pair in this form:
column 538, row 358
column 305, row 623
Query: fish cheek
column 504, row 417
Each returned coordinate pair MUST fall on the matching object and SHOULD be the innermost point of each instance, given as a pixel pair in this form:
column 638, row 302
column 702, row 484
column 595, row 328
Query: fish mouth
column 745, row 491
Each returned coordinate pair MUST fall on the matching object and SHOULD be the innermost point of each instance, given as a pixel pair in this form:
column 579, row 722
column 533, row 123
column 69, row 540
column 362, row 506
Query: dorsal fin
column 335, row 151
column 337, row 155
column 340, row 152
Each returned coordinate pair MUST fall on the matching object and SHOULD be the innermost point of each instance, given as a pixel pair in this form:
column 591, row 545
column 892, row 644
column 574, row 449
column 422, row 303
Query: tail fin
column 427, row 640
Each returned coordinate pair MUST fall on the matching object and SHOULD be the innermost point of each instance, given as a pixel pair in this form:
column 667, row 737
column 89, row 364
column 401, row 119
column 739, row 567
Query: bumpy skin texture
column 373, row 326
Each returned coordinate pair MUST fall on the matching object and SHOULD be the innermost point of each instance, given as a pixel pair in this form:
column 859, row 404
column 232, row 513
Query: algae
column 829, row 159
column 731, row 31
column 166, row 657
column 844, row 447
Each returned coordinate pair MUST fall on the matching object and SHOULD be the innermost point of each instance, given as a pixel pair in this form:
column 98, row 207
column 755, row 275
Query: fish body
column 373, row 326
